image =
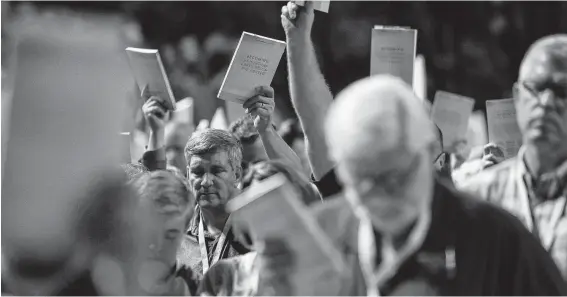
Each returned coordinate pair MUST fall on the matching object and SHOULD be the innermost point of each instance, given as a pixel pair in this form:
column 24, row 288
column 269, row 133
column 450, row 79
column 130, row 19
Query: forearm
column 154, row 157
column 277, row 148
column 311, row 99
column 156, row 140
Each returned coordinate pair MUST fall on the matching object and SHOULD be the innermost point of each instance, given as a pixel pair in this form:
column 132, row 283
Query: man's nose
column 207, row 180
column 547, row 98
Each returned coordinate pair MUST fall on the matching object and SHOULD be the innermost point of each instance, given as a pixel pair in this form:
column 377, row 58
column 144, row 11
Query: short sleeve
column 328, row 185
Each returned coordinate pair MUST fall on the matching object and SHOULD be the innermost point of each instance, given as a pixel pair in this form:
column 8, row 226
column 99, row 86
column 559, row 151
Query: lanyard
column 218, row 248
column 391, row 259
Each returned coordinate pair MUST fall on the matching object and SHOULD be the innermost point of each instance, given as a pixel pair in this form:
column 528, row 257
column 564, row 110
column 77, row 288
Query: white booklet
column 272, row 209
column 148, row 70
column 451, row 113
column 393, row 52
column 502, row 126
column 253, row 64
column 317, row 5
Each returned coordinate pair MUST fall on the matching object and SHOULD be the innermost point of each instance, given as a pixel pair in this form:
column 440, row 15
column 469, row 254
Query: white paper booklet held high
column 502, row 126
column 253, row 64
column 393, row 52
column 272, row 209
column 317, row 5
column 148, row 70
column 451, row 113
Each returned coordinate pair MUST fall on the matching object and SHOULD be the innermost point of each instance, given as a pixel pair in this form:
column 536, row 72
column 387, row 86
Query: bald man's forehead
column 545, row 60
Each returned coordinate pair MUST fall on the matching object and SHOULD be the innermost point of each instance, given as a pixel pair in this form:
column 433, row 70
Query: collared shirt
column 509, row 185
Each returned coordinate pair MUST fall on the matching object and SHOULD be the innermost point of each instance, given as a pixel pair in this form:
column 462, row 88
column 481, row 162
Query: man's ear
column 238, row 178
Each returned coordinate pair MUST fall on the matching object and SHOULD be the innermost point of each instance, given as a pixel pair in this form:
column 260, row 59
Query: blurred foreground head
column 541, row 95
column 101, row 224
column 166, row 206
column 383, row 142
column 214, row 168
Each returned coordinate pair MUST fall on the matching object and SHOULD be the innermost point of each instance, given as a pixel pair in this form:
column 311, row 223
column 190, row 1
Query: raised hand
column 261, row 106
column 297, row 21
column 154, row 110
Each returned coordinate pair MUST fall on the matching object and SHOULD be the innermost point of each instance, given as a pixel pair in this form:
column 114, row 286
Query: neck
column 214, row 220
column 539, row 161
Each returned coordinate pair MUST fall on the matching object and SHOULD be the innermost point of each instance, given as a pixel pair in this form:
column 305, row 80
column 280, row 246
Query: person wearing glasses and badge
column 533, row 185
column 400, row 230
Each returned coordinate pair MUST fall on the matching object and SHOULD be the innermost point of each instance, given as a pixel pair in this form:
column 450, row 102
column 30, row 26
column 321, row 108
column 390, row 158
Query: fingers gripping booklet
column 272, row 209
column 253, row 64
column 148, row 70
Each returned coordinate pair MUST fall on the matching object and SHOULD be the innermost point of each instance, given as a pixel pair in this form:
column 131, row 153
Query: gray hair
column 212, row 141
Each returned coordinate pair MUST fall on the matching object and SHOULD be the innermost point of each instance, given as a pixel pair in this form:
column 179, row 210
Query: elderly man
column 533, row 186
column 402, row 232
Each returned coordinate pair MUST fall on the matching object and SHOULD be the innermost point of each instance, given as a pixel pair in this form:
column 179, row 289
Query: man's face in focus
column 540, row 99
column 394, row 196
column 213, row 180
column 176, row 136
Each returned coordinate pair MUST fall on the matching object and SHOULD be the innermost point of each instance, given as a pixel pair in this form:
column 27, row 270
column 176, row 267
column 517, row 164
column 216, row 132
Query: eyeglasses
column 390, row 183
column 560, row 94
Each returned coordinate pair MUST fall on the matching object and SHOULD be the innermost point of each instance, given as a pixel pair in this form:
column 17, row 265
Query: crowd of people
column 405, row 219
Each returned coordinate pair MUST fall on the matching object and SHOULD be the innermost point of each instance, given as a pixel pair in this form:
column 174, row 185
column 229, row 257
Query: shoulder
column 476, row 213
column 489, row 181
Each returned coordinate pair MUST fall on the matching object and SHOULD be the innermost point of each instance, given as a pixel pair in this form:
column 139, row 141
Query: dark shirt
column 494, row 253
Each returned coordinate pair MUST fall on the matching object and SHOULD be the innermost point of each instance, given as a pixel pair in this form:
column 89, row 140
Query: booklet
column 272, row 209
column 72, row 125
column 502, row 126
column 317, row 5
column 253, row 64
column 451, row 113
column 393, row 52
column 148, row 70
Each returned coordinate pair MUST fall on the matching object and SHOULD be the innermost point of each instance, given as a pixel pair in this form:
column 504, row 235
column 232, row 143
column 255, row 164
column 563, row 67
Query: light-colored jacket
column 508, row 185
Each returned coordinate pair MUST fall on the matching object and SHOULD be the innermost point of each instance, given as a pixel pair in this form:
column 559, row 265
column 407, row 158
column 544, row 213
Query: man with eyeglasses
column 533, row 186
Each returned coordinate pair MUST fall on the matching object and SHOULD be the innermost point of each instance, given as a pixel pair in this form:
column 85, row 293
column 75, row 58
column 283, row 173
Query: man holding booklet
column 533, row 185
column 401, row 232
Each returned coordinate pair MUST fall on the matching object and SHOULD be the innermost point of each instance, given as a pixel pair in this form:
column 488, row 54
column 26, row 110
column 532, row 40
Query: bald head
column 549, row 50
column 377, row 121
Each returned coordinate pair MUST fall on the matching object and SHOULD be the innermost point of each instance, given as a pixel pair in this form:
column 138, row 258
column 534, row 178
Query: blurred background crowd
column 470, row 48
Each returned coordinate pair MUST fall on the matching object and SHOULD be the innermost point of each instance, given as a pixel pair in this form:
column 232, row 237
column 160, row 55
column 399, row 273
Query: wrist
column 267, row 131
column 298, row 37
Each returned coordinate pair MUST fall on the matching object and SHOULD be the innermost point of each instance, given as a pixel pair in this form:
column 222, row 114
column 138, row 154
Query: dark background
column 470, row 48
